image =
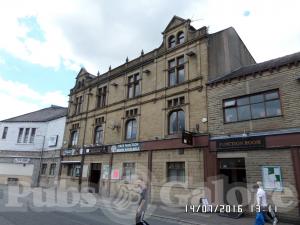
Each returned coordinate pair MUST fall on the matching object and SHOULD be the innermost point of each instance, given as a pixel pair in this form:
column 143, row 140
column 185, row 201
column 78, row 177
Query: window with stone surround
column 171, row 41
column 101, row 97
column 176, row 171
column 131, row 129
column 44, row 168
column 176, row 121
column 254, row 106
column 134, row 87
column 52, row 169
column 73, row 170
column 180, row 37
column 128, row 171
column 176, row 71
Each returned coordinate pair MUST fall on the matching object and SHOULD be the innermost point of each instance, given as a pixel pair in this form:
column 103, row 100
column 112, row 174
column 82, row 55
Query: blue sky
column 42, row 46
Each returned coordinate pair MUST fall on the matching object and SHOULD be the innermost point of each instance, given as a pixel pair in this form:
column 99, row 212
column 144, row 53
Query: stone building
column 30, row 147
column 128, row 122
column 254, row 123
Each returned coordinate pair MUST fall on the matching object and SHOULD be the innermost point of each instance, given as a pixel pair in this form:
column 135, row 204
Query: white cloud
column 18, row 98
column 97, row 33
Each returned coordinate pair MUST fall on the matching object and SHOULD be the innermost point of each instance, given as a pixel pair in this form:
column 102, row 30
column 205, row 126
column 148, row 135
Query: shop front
column 243, row 160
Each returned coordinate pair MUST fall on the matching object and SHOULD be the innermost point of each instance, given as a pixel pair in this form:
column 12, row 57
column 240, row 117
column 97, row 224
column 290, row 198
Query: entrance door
column 94, row 178
column 234, row 176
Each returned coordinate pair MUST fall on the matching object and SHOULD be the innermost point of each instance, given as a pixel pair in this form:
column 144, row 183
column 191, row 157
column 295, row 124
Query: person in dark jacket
column 143, row 201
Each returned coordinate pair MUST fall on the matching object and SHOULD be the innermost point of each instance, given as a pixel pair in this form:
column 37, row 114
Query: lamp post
column 41, row 158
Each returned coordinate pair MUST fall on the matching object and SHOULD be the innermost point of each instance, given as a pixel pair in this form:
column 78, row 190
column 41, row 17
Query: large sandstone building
column 129, row 121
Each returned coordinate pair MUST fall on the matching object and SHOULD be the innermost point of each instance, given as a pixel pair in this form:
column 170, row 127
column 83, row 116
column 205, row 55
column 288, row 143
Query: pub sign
column 241, row 143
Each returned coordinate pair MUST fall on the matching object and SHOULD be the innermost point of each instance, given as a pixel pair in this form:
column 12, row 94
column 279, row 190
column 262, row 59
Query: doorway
column 233, row 172
column 94, row 179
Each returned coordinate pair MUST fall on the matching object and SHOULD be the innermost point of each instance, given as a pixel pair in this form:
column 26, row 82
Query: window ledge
column 269, row 117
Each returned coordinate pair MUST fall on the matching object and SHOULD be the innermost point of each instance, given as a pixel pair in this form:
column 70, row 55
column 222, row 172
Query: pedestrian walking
column 261, row 203
column 143, row 201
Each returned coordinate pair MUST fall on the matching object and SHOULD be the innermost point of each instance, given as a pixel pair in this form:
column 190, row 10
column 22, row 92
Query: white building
column 30, row 146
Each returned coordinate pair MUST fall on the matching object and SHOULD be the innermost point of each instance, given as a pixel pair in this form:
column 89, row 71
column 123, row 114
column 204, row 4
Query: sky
column 44, row 43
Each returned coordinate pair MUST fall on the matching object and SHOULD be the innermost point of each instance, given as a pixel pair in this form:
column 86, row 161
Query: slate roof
column 260, row 67
column 43, row 115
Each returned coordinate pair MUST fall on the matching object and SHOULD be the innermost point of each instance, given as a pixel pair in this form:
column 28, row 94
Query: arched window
column 131, row 129
column 171, row 41
column 74, row 138
column 98, row 137
column 176, row 121
column 180, row 37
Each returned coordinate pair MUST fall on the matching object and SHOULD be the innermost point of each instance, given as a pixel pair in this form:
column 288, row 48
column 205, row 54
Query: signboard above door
column 241, row 143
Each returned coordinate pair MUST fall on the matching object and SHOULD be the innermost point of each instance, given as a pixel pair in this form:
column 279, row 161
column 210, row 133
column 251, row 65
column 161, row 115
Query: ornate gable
column 175, row 21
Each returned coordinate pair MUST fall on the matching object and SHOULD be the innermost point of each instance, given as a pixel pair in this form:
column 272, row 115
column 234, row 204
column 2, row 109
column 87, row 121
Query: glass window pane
column 256, row 98
column 243, row 101
column 271, row 95
column 230, row 115
column 228, row 103
column 180, row 75
column 130, row 79
column 273, row 108
column 137, row 89
column 130, row 91
column 244, row 112
column 181, row 122
column 180, row 60
column 258, row 110
column 172, row 122
column 181, row 38
column 172, row 78
column 181, row 175
column 137, row 76
column 175, row 100
column 172, row 175
column 172, row 63
column 134, row 129
column 129, row 129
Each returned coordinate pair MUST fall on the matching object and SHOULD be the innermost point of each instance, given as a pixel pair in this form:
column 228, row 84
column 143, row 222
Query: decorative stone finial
column 98, row 74
column 127, row 59
column 142, row 52
column 109, row 68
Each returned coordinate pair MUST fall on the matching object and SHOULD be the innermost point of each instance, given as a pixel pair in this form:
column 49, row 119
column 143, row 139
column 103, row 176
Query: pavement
column 91, row 209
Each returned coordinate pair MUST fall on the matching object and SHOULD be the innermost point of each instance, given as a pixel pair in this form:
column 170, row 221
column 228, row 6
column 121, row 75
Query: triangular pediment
column 82, row 72
column 175, row 21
